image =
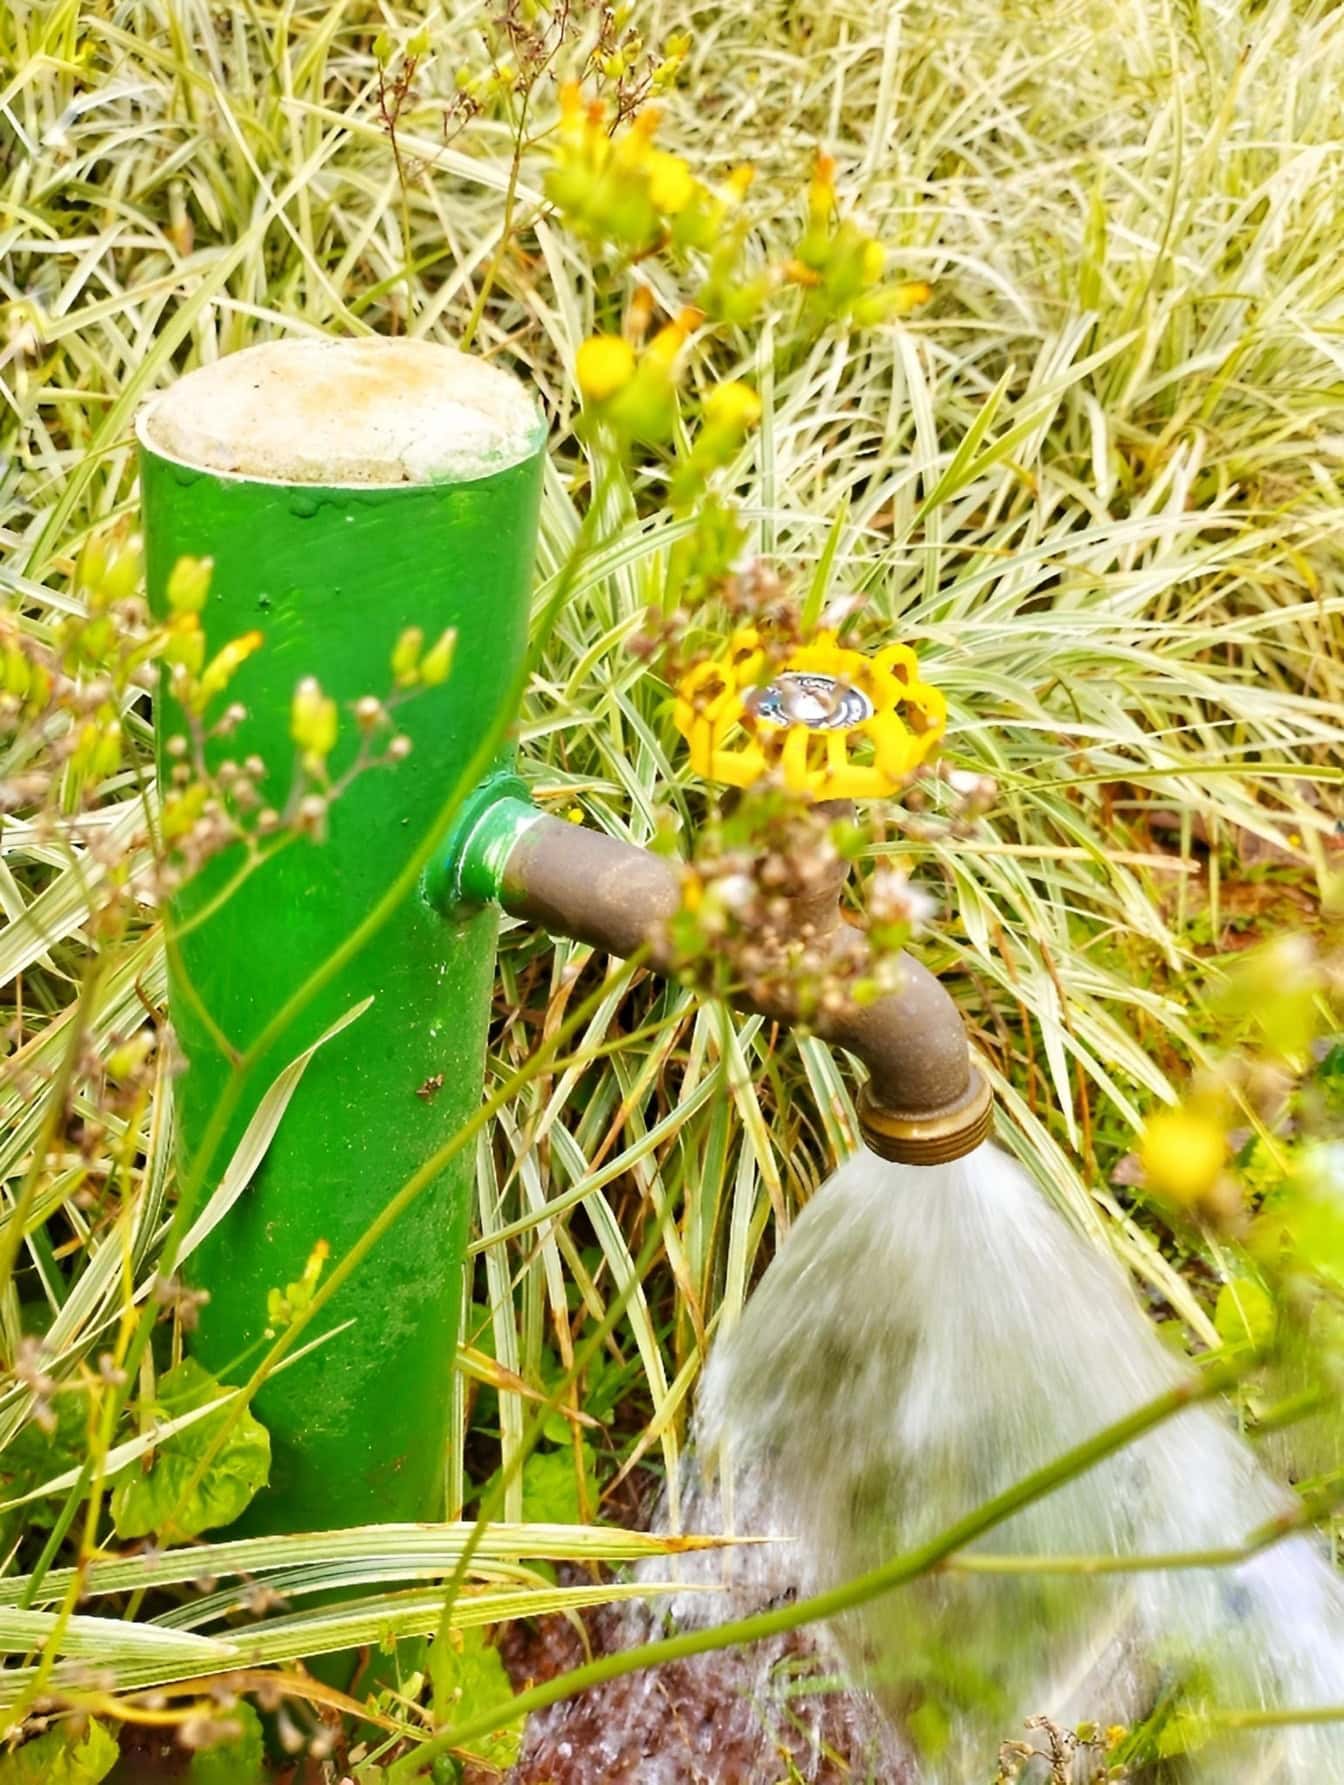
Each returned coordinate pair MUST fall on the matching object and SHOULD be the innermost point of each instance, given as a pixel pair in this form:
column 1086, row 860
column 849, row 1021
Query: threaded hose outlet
column 929, row 1138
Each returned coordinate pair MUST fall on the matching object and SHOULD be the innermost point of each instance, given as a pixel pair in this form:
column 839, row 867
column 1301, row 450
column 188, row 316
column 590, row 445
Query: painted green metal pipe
column 345, row 491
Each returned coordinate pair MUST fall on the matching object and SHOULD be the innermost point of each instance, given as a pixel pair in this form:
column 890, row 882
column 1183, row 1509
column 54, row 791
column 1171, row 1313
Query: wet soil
column 734, row 1718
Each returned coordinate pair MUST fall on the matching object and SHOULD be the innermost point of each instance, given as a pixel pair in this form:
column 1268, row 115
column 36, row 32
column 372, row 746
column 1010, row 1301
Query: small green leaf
column 62, row 1758
column 33, row 1456
column 551, row 1486
column 238, row 1761
column 468, row 1677
column 1245, row 1313
column 555, row 1428
column 150, row 1501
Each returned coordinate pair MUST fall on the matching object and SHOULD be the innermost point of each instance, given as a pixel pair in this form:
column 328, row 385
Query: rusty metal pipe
column 925, row 1101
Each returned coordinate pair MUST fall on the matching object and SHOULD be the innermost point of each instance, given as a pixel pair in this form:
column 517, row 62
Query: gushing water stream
column 926, row 1338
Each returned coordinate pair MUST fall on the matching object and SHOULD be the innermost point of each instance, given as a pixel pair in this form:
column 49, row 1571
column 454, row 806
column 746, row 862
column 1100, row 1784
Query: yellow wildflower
column 1183, row 1151
column 671, row 186
column 732, row 405
column 604, row 365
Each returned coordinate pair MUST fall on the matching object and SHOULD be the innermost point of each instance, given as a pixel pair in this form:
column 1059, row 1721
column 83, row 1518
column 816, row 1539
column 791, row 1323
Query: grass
column 1096, row 482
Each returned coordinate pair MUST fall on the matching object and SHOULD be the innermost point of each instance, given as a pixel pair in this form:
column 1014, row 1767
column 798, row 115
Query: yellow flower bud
column 181, row 810
column 406, row 657
column 798, row 273
column 821, row 192
column 130, row 1056
column 185, row 643
column 15, row 672
column 437, row 663
column 909, row 295
column 732, row 406
column 874, row 261
column 671, row 187
column 107, row 755
column 189, row 584
column 92, row 566
column 1182, row 1151
column 313, row 723
column 672, row 337
column 122, row 576
column 97, row 752
column 605, row 364
column 220, row 670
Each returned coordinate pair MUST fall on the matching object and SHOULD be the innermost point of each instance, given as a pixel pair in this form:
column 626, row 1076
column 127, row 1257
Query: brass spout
column 924, row 1102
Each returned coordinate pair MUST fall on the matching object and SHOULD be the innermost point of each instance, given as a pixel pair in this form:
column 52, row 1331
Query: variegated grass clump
column 1094, row 479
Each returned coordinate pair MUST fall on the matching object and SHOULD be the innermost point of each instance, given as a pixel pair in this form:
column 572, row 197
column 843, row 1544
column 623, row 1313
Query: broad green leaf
column 468, row 1673
column 62, row 1757
column 551, row 1485
column 150, row 1501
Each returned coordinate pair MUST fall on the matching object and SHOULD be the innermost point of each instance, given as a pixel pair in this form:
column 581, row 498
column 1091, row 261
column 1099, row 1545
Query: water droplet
column 303, row 505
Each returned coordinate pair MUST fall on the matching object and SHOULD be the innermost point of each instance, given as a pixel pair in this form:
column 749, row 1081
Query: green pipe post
column 330, row 572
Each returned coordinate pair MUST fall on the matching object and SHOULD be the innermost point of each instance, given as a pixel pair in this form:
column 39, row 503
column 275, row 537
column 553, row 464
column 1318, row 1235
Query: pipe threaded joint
column 928, row 1137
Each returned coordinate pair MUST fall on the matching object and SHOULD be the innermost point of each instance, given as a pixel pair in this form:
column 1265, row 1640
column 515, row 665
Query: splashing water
column 926, row 1338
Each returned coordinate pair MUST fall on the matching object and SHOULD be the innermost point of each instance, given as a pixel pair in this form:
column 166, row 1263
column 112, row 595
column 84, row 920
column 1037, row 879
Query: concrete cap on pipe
column 372, row 412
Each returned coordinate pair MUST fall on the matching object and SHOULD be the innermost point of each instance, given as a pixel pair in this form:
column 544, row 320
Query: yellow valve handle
column 834, row 723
